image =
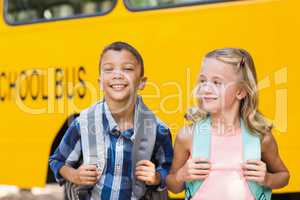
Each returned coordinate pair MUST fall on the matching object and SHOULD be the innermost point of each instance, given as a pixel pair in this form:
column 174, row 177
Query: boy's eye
column 128, row 68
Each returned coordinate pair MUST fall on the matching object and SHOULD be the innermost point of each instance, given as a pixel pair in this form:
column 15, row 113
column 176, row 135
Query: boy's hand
column 255, row 170
column 85, row 175
column 193, row 169
column 145, row 171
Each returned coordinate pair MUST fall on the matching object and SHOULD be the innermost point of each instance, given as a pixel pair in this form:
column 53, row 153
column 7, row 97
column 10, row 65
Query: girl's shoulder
column 184, row 136
column 268, row 141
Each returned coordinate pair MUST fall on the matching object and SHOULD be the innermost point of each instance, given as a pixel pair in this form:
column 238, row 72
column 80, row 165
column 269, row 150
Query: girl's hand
column 255, row 170
column 145, row 171
column 193, row 169
column 85, row 175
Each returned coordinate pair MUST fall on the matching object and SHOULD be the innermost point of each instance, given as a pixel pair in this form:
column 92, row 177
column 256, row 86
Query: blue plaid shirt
column 116, row 178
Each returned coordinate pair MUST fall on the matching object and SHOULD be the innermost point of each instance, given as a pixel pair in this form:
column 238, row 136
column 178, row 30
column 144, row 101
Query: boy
column 121, row 76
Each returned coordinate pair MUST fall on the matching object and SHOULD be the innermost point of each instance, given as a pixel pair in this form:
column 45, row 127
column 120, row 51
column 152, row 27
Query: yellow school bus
column 49, row 67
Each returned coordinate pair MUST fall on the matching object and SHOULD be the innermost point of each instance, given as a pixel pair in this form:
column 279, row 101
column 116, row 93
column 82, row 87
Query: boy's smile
column 118, row 86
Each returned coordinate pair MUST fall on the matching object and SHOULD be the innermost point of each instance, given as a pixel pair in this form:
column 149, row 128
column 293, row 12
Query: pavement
column 50, row 192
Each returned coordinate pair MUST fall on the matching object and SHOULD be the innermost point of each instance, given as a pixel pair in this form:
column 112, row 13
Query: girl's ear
column 142, row 83
column 241, row 93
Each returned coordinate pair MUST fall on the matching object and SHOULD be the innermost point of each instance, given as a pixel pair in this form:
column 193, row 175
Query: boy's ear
column 100, row 83
column 241, row 93
column 142, row 83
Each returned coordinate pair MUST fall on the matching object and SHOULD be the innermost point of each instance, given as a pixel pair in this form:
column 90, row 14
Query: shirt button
column 119, row 143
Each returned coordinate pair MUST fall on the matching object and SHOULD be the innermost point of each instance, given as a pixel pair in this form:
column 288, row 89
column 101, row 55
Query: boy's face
column 120, row 75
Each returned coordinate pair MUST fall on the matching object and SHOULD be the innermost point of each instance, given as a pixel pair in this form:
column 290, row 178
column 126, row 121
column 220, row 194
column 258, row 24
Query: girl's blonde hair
column 242, row 61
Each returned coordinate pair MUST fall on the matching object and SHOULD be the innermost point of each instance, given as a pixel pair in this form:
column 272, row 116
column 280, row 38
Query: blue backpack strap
column 252, row 151
column 200, row 148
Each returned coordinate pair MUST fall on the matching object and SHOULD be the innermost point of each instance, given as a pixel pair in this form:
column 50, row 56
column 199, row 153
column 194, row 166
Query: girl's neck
column 226, row 122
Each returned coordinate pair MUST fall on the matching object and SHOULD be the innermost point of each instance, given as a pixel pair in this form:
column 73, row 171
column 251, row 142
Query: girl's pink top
column 225, row 180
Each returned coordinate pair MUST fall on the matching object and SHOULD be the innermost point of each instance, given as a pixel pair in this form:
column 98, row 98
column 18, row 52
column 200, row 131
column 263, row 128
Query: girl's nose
column 207, row 87
column 211, row 88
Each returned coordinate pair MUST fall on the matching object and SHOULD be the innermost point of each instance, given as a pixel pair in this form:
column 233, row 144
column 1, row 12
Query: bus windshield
column 28, row 11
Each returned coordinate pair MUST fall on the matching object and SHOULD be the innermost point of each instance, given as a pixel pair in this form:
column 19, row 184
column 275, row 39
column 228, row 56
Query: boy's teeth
column 117, row 86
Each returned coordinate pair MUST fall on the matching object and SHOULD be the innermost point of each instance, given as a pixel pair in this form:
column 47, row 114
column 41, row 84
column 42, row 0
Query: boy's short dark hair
column 119, row 46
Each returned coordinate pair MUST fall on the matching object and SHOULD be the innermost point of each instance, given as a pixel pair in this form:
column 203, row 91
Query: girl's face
column 218, row 86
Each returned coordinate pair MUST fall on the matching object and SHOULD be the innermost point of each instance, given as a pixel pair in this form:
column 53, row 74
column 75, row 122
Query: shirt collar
column 113, row 127
column 112, row 124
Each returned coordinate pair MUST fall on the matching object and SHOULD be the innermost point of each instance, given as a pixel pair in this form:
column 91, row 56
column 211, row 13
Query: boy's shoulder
column 92, row 107
column 162, row 127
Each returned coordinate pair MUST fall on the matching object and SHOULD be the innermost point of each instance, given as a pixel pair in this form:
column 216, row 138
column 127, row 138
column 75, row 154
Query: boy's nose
column 117, row 73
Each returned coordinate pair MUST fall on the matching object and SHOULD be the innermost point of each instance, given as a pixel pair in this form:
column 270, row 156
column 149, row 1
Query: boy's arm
column 163, row 153
column 154, row 172
column 68, row 152
column 84, row 175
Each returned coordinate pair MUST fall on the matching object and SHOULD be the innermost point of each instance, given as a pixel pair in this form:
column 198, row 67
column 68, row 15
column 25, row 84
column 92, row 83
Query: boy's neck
column 122, row 112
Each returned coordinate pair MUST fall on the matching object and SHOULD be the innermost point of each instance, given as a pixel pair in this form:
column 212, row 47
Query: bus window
column 153, row 4
column 29, row 11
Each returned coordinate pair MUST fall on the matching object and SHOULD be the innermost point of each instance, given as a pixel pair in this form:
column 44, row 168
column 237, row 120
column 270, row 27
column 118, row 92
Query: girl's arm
column 277, row 174
column 184, row 169
column 181, row 155
column 271, row 171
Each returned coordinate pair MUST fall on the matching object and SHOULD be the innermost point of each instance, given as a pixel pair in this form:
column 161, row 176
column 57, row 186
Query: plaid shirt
column 115, row 182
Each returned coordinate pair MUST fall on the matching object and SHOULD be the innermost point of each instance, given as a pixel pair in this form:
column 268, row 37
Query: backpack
column 201, row 148
column 94, row 150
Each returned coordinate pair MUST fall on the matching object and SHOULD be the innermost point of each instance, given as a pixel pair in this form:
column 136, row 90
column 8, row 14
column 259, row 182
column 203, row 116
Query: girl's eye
column 217, row 83
column 202, row 81
column 108, row 69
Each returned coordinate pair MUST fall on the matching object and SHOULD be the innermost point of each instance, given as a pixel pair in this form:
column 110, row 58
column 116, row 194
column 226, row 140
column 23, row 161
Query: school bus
column 49, row 67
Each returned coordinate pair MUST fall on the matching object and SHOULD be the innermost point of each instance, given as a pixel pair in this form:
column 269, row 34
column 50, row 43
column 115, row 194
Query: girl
column 229, row 152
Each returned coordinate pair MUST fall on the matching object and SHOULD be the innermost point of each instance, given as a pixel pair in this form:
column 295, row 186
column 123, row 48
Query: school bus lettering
column 81, row 90
column 34, row 83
